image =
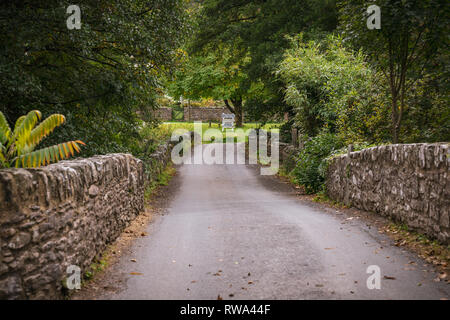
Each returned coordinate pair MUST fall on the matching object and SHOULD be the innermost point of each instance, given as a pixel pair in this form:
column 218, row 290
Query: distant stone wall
column 407, row 182
column 204, row 114
column 60, row 215
column 192, row 113
column 163, row 114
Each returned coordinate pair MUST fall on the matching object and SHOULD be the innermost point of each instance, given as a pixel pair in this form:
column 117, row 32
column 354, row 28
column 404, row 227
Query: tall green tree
column 333, row 88
column 259, row 28
column 413, row 35
column 99, row 75
column 217, row 74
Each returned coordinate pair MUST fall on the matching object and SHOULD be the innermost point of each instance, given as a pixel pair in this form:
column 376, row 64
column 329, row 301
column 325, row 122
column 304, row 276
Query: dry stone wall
column 163, row 114
column 157, row 161
column 60, row 215
column 204, row 114
column 407, row 182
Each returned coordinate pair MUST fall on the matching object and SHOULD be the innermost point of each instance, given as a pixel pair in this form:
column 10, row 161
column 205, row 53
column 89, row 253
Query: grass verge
column 162, row 180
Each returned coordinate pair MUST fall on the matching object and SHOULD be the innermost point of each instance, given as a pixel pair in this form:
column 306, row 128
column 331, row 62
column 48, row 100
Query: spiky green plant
column 17, row 147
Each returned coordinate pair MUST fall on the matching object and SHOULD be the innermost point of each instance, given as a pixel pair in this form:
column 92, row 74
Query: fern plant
column 17, row 147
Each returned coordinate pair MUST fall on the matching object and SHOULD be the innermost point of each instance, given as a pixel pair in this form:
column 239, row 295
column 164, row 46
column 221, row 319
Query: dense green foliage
column 411, row 52
column 368, row 86
column 331, row 87
column 257, row 29
column 312, row 159
column 216, row 74
column 97, row 76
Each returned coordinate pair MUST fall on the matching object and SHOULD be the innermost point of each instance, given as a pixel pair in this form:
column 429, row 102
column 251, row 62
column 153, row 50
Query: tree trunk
column 237, row 110
column 238, row 113
column 395, row 116
column 228, row 106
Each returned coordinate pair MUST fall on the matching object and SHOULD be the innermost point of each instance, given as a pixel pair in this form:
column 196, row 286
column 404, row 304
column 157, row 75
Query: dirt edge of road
column 99, row 278
column 431, row 251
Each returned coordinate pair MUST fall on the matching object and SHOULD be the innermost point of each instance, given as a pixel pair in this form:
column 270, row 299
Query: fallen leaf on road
column 389, row 278
column 231, row 295
column 250, row 282
column 219, row 297
column 133, row 260
column 329, row 248
column 319, row 285
column 136, row 273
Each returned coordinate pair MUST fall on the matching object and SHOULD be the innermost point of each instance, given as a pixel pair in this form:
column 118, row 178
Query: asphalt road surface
column 232, row 233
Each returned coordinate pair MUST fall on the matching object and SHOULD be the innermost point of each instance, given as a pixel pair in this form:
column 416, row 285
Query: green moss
column 163, row 179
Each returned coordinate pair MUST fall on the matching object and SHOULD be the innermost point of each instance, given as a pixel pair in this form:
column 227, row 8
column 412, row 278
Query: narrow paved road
column 231, row 232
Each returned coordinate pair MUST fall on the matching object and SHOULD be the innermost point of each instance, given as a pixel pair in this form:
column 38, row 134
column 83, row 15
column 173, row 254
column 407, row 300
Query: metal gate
column 178, row 113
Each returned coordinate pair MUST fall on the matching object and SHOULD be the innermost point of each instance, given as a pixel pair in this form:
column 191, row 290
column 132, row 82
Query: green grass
column 205, row 125
column 169, row 127
column 162, row 180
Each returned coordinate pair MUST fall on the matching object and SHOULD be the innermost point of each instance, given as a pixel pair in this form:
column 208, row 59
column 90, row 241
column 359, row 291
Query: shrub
column 309, row 171
column 330, row 86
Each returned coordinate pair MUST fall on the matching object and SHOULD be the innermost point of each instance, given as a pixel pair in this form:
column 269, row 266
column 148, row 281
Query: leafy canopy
column 412, row 42
column 216, row 74
column 332, row 87
column 100, row 76
column 259, row 28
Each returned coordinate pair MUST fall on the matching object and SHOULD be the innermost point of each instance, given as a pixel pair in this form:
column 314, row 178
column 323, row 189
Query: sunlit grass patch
column 229, row 135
